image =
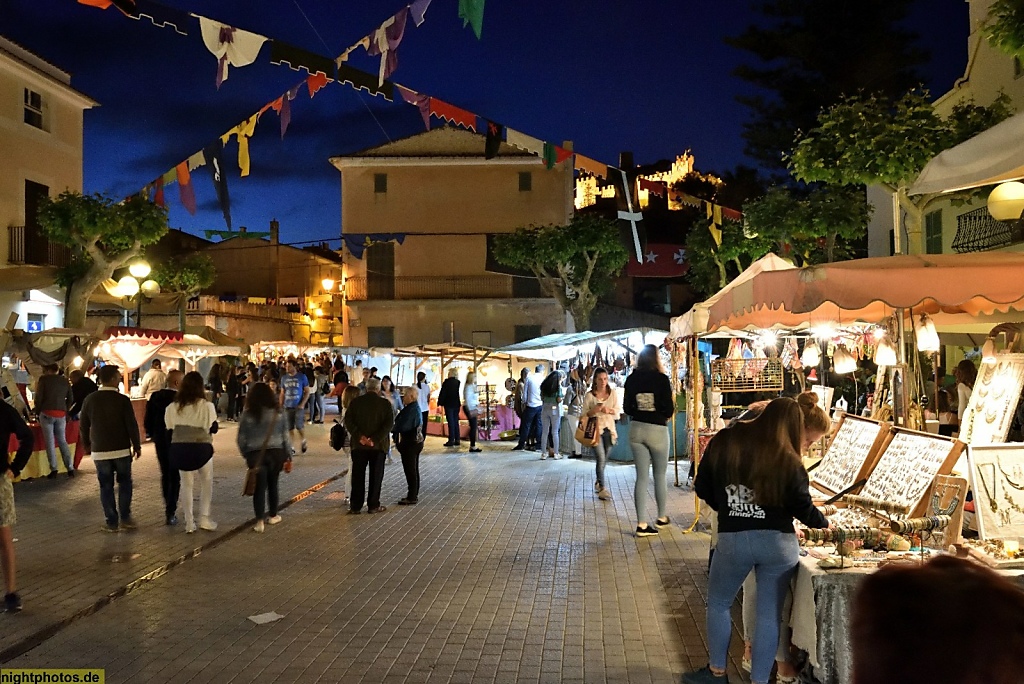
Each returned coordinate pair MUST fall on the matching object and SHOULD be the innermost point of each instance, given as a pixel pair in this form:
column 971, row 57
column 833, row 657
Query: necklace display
column 990, row 494
column 937, row 497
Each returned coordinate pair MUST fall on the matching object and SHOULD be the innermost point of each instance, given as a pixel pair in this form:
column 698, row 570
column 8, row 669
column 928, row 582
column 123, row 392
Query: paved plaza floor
column 508, row 570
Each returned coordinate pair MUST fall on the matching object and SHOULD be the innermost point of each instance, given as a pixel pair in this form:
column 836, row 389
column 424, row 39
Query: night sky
column 650, row 77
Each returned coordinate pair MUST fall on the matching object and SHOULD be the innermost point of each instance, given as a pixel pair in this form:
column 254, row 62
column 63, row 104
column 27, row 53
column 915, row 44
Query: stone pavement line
column 33, row 640
column 509, row 570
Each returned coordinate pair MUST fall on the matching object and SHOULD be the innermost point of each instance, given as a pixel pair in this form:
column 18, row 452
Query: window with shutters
column 933, row 232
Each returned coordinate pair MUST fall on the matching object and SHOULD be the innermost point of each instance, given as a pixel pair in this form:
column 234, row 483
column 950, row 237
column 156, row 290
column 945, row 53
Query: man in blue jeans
column 529, row 428
column 294, row 395
column 110, row 434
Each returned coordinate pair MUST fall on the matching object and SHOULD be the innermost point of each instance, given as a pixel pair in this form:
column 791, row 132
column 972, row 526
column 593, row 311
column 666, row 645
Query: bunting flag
column 524, row 142
column 185, row 191
column 654, row 187
column 158, row 197
column 362, row 80
column 297, row 58
column 196, row 160
column 714, row 213
column 358, row 242
column 127, row 7
column 229, row 45
column 214, row 155
column 630, row 217
column 553, row 154
column 315, row 82
column 163, row 16
column 731, row 214
column 242, row 132
column 418, row 11
column 472, row 12
column 660, row 261
column 452, row 114
column 385, row 41
column 493, row 143
column 421, row 101
column 591, row 166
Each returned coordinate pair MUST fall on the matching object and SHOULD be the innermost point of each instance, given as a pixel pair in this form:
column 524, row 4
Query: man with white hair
column 369, row 419
column 529, row 429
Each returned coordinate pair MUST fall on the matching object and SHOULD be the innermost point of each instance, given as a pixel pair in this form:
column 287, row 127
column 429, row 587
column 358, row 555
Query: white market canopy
column 991, row 157
column 557, row 346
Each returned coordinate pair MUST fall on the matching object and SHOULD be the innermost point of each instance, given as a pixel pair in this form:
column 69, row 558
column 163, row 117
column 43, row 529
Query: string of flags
column 234, row 47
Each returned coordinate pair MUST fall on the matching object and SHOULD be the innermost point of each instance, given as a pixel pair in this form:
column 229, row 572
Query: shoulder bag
column 586, row 431
column 253, row 473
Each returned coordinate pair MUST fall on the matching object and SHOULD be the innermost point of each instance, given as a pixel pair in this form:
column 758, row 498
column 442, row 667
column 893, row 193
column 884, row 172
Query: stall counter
column 38, row 465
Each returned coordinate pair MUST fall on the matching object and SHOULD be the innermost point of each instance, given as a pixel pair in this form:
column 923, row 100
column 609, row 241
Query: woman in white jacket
column 192, row 421
column 471, row 407
column 602, row 403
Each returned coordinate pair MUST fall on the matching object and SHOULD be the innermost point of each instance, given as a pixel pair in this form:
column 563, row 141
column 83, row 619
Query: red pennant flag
column 455, row 115
column 185, row 191
column 158, row 199
column 315, row 82
column 660, row 261
column 653, row 187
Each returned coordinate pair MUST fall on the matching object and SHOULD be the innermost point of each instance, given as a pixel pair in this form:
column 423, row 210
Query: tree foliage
column 103, row 234
column 809, row 53
column 575, row 264
column 1005, row 28
column 188, row 275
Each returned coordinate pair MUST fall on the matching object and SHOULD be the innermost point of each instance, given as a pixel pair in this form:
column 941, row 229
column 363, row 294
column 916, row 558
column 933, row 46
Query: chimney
column 242, row 230
column 567, row 145
column 274, row 231
column 625, row 160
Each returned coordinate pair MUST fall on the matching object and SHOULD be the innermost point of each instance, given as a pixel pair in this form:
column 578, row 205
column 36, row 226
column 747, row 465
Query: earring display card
column 908, row 465
column 997, row 480
column 850, row 455
column 993, row 400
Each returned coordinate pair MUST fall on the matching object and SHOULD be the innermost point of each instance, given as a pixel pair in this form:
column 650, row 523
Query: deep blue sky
column 649, row 76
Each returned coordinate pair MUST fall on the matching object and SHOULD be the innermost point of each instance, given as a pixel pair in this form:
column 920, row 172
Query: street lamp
column 136, row 287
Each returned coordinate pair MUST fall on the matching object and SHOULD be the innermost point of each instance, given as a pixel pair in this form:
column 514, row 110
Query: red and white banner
column 660, row 261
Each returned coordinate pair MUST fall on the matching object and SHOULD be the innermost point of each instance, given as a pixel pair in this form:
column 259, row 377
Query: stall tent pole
column 692, row 419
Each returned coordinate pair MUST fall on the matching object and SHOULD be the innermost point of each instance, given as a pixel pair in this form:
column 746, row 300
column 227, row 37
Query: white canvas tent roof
column 558, row 346
column 992, row 156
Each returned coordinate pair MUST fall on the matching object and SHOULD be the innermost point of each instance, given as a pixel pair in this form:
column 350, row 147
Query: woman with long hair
column 263, row 423
column 648, row 402
column 423, row 397
column 550, row 414
column 192, row 421
column 471, row 407
column 602, row 404
column 966, row 373
column 215, row 381
column 408, row 433
column 752, row 476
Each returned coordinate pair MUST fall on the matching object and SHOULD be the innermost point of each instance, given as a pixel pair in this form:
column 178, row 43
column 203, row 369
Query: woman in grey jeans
column 648, row 401
column 602, row 404
column 264, row 421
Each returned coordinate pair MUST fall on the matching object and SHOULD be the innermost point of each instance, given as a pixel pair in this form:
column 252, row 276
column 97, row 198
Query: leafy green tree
column 868, row 139
column 103, row 234
column 575, row 264
column 188, row 275
column 808, row 53
column 1004, row 29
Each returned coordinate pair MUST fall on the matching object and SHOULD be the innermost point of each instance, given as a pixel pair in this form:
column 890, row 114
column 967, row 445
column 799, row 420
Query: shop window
column 525, row 181
column 380, row 336
column 380, row 183
column 526, row 332
column 33, row 108
column 933, row 232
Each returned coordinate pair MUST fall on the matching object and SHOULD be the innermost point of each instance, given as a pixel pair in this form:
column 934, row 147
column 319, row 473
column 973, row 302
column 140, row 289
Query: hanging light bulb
column 927, row 337
column 885, row 354
column 843, row 362
column 988, row 351
column 811, row 356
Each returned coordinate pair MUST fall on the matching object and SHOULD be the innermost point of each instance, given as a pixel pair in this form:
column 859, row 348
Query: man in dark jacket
column 110, row 434
column 369, row 419
column 11, row 423
column 170, row 477
column 451, row 399
column 81, row 387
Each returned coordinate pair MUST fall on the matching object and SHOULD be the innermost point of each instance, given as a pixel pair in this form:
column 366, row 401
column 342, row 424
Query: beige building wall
column 255, row 267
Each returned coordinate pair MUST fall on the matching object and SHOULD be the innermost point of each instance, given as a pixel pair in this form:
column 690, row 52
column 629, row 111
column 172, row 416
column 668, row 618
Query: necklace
column 937, row 497
column 992, row 503
column 1009, row 480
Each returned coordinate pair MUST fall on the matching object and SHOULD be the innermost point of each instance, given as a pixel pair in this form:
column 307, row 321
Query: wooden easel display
column 851, row 454
column 993, row 400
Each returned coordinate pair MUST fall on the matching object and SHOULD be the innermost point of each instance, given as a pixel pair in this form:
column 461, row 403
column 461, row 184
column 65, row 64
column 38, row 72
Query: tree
column 187, row 276
column 868, row 139
column 103, row 234
column 575, row 264
column 1005, row 27
column 809, row 53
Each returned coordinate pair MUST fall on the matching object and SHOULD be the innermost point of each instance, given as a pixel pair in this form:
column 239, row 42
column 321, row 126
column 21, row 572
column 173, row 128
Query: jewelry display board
column 993, row 400
column 907, row 466
column 997, row 480
column 947, row 497
column 850, row 455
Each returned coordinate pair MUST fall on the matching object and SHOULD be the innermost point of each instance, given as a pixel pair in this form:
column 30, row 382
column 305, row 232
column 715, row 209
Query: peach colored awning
column 952, row 286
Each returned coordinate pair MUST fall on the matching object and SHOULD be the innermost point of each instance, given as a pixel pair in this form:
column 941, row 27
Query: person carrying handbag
column 265, row 444
column 601, row 403
column 408, row 436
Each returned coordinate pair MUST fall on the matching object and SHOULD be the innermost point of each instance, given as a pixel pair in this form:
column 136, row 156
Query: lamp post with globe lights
column 137, row 286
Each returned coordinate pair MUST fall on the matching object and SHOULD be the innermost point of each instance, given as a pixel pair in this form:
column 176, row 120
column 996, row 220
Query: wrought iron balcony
column 977, row 231
column 26, row 245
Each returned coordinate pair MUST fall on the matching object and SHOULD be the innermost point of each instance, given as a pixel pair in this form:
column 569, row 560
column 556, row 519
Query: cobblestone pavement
column 508, row 570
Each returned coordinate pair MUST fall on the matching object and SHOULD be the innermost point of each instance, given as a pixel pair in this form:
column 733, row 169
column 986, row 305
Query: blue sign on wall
column 34, row 326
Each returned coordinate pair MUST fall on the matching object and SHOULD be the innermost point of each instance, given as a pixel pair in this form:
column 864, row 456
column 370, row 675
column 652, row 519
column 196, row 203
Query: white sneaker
column 190, row 528
column 274, row 520
column 258, row 527
column 604, row 495
column 207, row 525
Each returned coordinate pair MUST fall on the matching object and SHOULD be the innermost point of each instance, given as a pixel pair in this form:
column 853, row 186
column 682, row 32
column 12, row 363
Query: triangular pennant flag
column 315, row 82
column 472, row 12
column 418, row 11
column 214, row 154
column 493, row 143
column 185, row 190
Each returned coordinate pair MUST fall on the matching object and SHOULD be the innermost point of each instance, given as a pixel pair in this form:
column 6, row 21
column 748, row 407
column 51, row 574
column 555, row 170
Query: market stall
column 38, row 465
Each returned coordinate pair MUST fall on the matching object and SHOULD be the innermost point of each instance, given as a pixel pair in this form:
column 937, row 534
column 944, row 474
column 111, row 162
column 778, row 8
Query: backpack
column 338, row 437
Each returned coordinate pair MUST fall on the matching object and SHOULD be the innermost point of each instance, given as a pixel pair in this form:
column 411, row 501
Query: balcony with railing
column 438, row 287
column 26, row 245
column 977, row 231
